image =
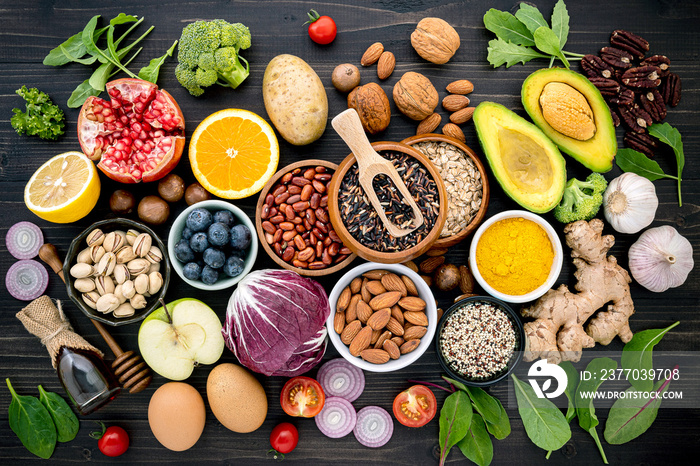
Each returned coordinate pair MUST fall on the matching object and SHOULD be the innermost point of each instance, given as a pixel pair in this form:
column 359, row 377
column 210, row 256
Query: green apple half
column 175, row 340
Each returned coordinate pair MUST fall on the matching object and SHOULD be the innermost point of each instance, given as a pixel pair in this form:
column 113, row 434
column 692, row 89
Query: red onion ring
column 374, row 426
column 26, row 280
column 340, row 378
column 23, row 240
column 337, row 418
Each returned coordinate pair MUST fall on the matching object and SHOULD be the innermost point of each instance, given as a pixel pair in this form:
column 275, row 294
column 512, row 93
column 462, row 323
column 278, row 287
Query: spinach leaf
column 81, row 93
column 477, row 445
column 548, row 42
column 571, row 386
column 531, row 17
column 630, row 160
column 632, row 415
column 455, row 420
column 544, row 423
column 150, row 72
column 671, row 136
column 32, row 424
column 507, row 27
column 500, row 52
column 560, row 23
column 488, row 406
column 637, row 356
column 64, row 419
column 598, row 369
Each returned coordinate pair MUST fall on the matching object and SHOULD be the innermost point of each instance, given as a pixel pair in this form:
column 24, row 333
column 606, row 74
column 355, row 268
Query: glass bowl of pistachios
column 117, row 271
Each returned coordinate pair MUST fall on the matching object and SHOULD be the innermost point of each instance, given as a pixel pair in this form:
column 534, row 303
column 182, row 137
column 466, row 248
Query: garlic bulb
column 661, row 259
column 630, row 203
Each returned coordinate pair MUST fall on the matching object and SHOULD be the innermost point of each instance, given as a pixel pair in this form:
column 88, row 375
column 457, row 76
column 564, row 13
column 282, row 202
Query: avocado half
column 526, row 163
column 597, row 152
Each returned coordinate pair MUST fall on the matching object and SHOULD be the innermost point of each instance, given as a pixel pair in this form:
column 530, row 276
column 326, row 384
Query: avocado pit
column 567, row 111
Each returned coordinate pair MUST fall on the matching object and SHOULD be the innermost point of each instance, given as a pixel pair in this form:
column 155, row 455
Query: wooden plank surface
column 31, row 29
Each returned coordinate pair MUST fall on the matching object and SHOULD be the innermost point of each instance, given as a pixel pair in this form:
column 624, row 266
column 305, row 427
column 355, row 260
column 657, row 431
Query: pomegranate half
column 139, row 135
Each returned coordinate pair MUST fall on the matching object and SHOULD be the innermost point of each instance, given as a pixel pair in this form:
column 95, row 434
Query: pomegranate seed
column 158, row 134
column 97, row 108
column 91, row 117
column 146, row 126
column 100, row 118
column 138, row 143
column 114, row 92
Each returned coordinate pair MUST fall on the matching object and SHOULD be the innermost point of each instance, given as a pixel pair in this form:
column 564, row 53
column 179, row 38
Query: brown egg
column 236, row 398
column 176, row 415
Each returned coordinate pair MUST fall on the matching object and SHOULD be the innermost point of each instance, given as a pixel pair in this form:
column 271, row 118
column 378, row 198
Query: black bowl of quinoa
column 479, row 341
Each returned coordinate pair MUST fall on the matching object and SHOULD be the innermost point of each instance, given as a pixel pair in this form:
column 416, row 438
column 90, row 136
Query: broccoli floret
column 582, row 199
column 209, row 48
column 42, row 117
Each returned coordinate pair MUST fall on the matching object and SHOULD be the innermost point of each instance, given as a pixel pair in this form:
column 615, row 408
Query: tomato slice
column 415, row 407
column 302, row 397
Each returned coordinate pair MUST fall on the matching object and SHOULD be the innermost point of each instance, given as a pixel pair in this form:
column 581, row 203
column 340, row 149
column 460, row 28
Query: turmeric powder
column 514, row 256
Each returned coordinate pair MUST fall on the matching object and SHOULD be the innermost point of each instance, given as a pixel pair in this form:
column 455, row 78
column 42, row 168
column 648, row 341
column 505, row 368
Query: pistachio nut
column 95, row 237
column 107, row 303
column 128, row 289
column 154, row 268
column 118, row 293
column 83, row 257
column 113, row 242
column 121, row 233
column 138, row 266
column 154, row 255
column 124, row 310
column 121, row 273
column 138, row 301
column 96, row 253
column 82, row 270
column 91, row 298
column 126, row 254
column 155, row 282
column 141, row 283
column 142, row 244
column 131, row 235
column 104, row 285
column 107, row 264
column 84, row 285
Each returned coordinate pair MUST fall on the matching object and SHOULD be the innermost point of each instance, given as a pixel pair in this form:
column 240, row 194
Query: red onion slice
column 374, row 426
column 340, row 378
column 26, row 280
column 23, row 240
column 337, row 418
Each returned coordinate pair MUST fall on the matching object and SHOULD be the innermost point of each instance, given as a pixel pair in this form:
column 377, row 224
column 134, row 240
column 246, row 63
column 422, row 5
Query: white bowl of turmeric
column 516, row 256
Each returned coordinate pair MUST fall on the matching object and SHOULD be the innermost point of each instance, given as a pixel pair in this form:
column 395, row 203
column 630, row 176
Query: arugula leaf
column 64, row 419
column 150, row 72
column 531, row 17
column 71, row 49
column 81, row 93
column 560, row 23
column 629, row 160
column 122, row 19
column 584, row 405
column 671, row 136
column 89, row 41
column 477, row 445
column 501, row 52
column 455, row 420
column 637, row 355
column 100, row 76
column 507, row 27
column 548, row 42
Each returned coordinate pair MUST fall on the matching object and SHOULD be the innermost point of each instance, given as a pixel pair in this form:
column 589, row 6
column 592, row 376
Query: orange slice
column 233, row 153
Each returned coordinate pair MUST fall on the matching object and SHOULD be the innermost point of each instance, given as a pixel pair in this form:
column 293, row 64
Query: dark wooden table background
column 30, row 29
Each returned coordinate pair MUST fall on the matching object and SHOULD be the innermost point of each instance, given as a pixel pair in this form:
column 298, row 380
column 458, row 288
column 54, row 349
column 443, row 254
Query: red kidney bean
column 289, row 235
column 318, row 186
column 281, row 198
column 278, row 248
column 323, row 177
column 300, row 264
column 320, row 169
column 299, row 242
column 293, row 189
column 309, row 173
column 269, row 238
column 324, row 201
column 327, row 242
column 340, row 258
column 322, row 226
column 268, row 227
column 277, row 236
column 333, row 249
column 310, row 216
column 307, row 254
column 279, row 190
column 269, row 199
column 345, row 250
column 264, row 211
column 294, row 198
column 277, row 219
column 326, row 258
column 319, row 249
column 334, row 236
column 315, row 201
column 317, row 265
column 322, row 215
column 300, row 228
column 288, row 254
column 296, row 171
column 273, row 211
column 306, row 192
column 289, row 212
column 287, row 178
column 301, row 206
column 313, row 241
column 300, row 181
column 286, row 226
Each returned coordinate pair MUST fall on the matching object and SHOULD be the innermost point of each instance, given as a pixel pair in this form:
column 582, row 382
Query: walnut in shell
column 435, row 40
column 372, row 105
column 415, row 96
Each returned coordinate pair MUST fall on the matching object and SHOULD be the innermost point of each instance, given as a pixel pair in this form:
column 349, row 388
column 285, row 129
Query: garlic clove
column 630, row 203
column 661, row 259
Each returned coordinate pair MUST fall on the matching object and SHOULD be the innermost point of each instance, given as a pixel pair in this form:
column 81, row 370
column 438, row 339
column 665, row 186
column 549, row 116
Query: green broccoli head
column 582, row 199
column 208, row 55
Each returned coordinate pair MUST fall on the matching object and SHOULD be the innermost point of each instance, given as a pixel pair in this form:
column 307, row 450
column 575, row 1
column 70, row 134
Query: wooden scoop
column 370, row 164
column 133, row 373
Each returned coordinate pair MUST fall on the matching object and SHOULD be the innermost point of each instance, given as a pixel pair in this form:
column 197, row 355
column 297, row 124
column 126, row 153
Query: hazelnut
column 345, row 77
column 171, row 188
column 446, row 277
column 153, row 210
column 122, row 202
column 196, row 193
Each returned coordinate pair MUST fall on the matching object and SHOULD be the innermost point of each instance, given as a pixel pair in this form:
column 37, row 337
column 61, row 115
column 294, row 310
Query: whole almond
column 416, row 318
column 398, row 341
column 375, row 336
column 429, row 265
column 412, row 303
column 417, row 331
column 364, row 292
column 395, row 327
column 436, row 252
column 462, row 116
column 392, row 349
column 364, row 312
column 350, row 331
column 375, row 356
column 466, row 279
column 461, row 86
column 393, row 282
column 355, row 285
column 411, row 265
column 428, row 125
column 382, row 338
column 379, row 319
column 464, row 296
column 397, row 313
column 375, row 274
column 351, row 311
column 339, row 322
column 385, row 65
column 375, row 287
column 361, row 341
column 454, row 102
column 407, row 326
column 454, row 131
column 372, row 54
column 409, row 346
column 410, row 286
column 343, row 299
column 383, row 300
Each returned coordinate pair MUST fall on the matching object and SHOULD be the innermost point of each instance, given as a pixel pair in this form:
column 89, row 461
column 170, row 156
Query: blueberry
column 218, row 234
column 225, row 217
column 233, row 266
column 187, row 233
column 183, row 252
column 192, row 271
column 214, row 258
column 240, row 237
column 209, row 275
column 199, row 219
column 199, row 242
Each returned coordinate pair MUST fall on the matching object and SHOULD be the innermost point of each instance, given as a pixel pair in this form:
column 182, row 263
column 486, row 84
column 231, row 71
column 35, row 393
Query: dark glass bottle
column 86, row 379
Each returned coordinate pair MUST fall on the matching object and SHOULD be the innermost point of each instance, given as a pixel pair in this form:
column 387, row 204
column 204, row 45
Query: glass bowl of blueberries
column 212, row 245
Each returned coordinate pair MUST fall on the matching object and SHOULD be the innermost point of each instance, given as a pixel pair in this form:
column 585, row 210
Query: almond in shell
column 343, row 299
column 364, row 312
column 379, row 319
column 412, row 303
column 409, row 346
column 383, row 300
column 375, row 356
column 350, row 331
column 361, row 341
column 393, row 282
column 392, row 349
column 372, row 54
column 415, row 332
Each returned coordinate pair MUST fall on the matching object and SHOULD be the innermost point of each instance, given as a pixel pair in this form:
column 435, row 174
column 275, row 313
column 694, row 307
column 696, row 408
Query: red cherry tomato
column 302, row 397
column 284, row 438
column 112, row 441
column 415, row 407
column 322, row 29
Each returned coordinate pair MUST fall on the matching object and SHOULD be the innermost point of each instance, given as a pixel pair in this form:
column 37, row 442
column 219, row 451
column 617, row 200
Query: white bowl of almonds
column 383, row 317
column 117, row 271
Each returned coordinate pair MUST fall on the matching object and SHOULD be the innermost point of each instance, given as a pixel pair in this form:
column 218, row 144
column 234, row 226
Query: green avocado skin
column 597, row 153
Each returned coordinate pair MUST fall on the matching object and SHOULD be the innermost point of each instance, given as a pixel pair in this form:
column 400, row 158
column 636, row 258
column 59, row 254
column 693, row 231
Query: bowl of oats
column 466, row 183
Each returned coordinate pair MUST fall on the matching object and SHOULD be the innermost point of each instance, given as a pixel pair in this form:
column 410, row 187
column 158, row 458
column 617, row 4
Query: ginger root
column 558, row 332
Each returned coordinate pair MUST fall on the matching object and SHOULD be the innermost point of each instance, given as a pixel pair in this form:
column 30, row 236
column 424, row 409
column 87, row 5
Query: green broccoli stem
column 233, row 78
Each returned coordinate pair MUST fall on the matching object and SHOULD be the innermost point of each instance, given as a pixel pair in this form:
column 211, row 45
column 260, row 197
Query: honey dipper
column 133, row 373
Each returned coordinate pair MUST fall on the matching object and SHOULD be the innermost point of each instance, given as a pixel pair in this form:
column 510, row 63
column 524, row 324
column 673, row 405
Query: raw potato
column 295, row 99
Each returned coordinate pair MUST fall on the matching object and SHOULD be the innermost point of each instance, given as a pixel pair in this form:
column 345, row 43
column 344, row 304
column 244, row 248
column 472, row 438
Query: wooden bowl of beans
column 293, row 222
column 466, row 183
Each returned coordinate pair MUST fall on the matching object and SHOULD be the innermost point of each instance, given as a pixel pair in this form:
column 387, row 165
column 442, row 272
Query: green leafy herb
column 81, row 94
column 41, row 116
column 72, row 50
column 455, row 420
column 584, row 404
column 64, row 419
column 488, row 406
column 671, row 136
column 629, row 160
column 500, row 52
column 150, row 72
column 544, row 423
column 477, row 445
column 572, row 381
column 628, row 419
column 548, row 42
column 32, row 424
column 531, row 17
column 560, row 22
column 508, row 27
column 637, row 356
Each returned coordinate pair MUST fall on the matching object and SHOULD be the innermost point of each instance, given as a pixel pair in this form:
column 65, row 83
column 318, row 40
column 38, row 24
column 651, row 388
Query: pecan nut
column 616, row 58
column 654, row 104
column 607, row 87
column 671, row 89
column 635, row 118
column 629, row 42
column 642, row 77
column 624, row 97
column 641, row 142
column 595, row 66
column 615, row 117
column 662, row 62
